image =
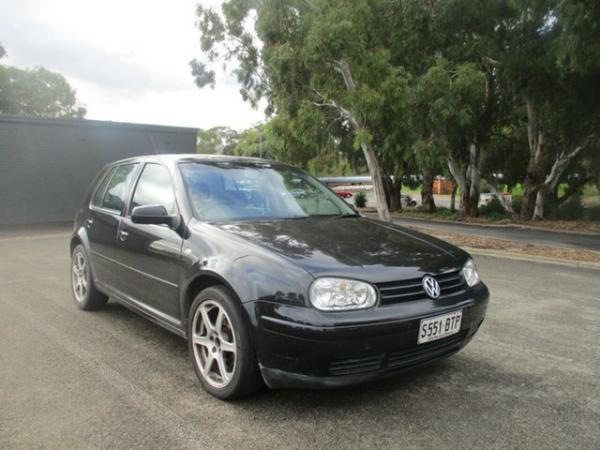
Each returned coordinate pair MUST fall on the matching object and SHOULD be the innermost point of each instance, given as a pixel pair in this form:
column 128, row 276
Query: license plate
column 439, row 327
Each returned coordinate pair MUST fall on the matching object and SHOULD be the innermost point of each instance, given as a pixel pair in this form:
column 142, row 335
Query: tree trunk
column 573, row 189
column 469, row 182
column 505, row 204
column 427, row 200
column 377, row 176
column 468, row 204
column 392, row 193
column 397, row 185
column 533, row 177
column 453, row 197
column 550, row 184
column 375, row 169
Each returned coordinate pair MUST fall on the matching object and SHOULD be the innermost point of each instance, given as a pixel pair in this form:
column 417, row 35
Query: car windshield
column 233, row 191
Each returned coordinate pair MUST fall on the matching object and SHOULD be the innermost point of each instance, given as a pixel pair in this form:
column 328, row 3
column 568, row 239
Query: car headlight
column 470, row 273
column 334, row 294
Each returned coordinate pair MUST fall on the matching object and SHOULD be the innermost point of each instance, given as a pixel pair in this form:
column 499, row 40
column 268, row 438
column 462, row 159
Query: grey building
column 46, row 165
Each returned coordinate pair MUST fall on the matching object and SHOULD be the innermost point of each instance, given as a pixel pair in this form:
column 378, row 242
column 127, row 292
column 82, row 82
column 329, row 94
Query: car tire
column 83, row 289
column 222, row 353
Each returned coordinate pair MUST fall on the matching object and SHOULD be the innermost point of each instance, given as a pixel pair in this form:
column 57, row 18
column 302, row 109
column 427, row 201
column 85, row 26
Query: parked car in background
column 486, row 197
column 406, row 200
column 265, row 286
column 343, row 194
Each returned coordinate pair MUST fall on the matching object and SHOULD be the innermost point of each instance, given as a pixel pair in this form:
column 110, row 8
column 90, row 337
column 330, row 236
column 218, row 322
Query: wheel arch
column 198, row 284
column 75, row 241
column 79, row 237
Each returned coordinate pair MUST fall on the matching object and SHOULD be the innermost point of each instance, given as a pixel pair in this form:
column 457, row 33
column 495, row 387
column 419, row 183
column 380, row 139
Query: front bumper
column 300, row 347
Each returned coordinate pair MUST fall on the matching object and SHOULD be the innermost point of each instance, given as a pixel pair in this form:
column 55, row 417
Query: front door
column 150, row 254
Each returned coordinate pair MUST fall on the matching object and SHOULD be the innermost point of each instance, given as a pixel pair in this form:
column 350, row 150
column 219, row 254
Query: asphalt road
column 538, row 237
column 110, row 379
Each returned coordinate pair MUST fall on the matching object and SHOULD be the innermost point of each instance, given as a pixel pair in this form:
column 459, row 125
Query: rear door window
column 117, row 189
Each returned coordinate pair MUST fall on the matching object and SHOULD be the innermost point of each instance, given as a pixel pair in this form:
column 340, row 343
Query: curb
column 499, row 225
column 532, row 258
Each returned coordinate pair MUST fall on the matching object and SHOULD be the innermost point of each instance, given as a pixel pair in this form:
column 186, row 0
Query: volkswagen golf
column 270, row 277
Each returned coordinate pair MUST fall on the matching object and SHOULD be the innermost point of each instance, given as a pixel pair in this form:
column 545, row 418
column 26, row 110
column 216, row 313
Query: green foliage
column 592, row 213
column 441, row 212
column 253, row 142
column 217, row 140
column 579, row 42
column 360, row 199
column 493, row 208
column 517, row 203
column 37, row 92
column 572, row 209
column 418, row 83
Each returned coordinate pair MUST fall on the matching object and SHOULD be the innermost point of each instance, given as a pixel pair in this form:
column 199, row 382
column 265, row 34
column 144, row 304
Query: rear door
column 150, row 254
column 102, row 223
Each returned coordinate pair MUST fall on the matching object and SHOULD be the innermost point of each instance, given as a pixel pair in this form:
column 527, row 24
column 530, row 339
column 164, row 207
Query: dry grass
column 513, row 246
column 587, row 226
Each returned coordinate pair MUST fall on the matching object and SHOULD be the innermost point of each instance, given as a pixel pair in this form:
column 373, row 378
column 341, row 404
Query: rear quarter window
column 101, row 186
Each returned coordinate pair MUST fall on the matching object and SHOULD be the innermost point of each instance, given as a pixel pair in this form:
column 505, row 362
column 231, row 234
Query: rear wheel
column 85, row 293
column 220, row 345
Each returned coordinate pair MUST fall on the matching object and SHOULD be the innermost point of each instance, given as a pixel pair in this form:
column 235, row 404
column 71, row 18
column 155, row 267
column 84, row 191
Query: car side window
column 101, row 187
column 118, row 187
column 154, row 188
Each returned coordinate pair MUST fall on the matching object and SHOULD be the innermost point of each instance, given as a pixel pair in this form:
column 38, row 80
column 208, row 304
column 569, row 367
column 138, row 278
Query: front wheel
column 83, row 289
column 220, row 345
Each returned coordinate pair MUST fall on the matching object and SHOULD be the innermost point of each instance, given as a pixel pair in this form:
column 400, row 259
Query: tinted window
column 116, row 191
column 97, row 200
column 154, row 188
column 238, row 191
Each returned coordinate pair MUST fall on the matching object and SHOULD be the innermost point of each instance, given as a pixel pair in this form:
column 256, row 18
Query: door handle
column 90, row 222
column 123, row 235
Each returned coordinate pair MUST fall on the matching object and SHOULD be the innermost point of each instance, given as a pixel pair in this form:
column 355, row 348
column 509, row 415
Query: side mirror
column 154, row 215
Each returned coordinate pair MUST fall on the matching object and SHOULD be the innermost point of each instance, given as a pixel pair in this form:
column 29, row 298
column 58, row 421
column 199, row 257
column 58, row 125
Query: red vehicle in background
column 343, row 194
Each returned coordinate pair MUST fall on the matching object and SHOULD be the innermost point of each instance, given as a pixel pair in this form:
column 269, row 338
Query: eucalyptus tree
column 219, row 140
column 326, row 55
column 37, row 92
column 451, row 50
column 549, row 70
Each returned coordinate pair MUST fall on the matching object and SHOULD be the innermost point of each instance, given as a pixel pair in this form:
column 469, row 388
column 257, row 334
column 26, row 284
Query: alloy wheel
column 214, row 346
column 79, row 276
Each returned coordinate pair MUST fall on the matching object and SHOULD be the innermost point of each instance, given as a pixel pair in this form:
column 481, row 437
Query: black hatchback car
column 270, row 276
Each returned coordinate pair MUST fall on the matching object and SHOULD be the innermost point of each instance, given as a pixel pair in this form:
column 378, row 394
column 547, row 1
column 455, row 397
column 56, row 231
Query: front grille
column 424, row 352
column 355, row 365
column 451, row 283
column 400, row 359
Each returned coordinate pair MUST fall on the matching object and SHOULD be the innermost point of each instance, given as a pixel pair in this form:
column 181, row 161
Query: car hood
column 350, row 246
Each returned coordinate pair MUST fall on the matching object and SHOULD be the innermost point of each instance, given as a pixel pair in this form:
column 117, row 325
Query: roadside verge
column 510, row 225
column 504, row 248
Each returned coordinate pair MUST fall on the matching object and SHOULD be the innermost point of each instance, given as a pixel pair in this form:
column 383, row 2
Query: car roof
column 194, row 157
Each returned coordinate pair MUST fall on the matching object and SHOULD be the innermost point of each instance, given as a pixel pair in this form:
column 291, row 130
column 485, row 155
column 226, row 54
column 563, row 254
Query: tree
column 328, row 56
column 557, row 88
column 217, row 140
column 37, row 92
column 2, row 51
column 449, row 104
column 450, row 46
column 252, row 142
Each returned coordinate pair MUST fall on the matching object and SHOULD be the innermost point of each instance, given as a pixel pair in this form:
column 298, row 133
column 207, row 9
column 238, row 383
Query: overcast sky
column 127, row 59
